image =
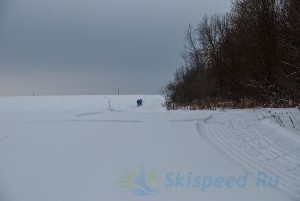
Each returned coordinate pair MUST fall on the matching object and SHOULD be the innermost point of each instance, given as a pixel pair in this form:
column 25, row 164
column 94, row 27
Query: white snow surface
column 75, row 148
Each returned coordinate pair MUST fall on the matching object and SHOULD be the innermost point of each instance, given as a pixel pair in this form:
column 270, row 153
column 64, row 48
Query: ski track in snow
column 75, row 120
column 256, row 147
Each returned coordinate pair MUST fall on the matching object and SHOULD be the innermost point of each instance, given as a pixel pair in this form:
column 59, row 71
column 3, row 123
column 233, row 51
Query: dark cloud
column 94, row 46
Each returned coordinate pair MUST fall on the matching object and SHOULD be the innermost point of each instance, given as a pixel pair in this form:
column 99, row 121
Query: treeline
column 246, row 58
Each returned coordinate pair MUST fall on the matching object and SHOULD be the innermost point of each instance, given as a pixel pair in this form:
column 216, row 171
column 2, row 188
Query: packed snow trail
column 257, row 146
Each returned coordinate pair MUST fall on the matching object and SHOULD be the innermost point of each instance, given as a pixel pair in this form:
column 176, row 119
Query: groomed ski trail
column 255, row 146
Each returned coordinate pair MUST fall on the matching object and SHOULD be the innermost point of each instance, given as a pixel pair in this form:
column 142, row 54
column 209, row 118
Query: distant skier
column 141, row 102
column 138, row 102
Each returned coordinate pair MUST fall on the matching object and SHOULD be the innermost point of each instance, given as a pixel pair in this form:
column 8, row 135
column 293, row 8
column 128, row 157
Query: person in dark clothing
column 141, row 102
column 138, row 103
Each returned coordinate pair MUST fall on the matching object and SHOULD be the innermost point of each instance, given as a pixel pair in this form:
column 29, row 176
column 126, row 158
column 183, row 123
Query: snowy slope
column 106, row 148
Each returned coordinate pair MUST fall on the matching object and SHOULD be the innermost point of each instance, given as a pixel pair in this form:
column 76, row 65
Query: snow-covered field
column 96, row 148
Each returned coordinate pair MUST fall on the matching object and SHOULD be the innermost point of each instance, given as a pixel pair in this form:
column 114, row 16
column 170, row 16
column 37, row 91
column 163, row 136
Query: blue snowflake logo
column 138, row 182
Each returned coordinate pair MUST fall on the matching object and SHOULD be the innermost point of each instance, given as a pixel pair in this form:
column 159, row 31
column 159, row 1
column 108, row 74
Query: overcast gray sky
column 64, row 47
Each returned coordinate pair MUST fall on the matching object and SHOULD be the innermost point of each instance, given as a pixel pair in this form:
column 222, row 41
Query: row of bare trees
column 251, row 53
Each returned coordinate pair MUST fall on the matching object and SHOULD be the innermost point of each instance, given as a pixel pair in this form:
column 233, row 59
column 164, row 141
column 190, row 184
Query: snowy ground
column 105, row 148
